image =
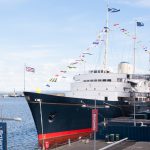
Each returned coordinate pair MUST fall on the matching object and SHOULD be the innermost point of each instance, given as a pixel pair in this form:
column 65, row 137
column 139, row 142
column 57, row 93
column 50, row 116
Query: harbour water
column 22, row 134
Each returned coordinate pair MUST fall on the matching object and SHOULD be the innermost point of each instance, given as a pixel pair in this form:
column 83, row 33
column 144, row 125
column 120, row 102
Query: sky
column 48, row 34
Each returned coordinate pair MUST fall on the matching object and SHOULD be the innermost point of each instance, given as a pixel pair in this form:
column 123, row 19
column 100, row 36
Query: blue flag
column 112, row 10
column 140, row 24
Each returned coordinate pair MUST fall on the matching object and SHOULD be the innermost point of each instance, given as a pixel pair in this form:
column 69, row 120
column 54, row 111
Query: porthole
column 51, row 117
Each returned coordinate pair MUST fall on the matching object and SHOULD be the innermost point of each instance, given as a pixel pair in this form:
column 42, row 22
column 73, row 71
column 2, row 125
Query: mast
column 106, row 41
column 134, row 46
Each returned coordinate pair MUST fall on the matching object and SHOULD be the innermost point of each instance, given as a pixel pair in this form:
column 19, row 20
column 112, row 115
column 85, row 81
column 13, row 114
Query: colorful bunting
column 124, row 31
column 87, row 53
column 64, row 77
column 74, row 63
column 116, row 24
column 79, row 60
column 53, row 80
column 71, row 67
column 47, row 85
column 81, row 57
column 96, row 43
column 63, row 71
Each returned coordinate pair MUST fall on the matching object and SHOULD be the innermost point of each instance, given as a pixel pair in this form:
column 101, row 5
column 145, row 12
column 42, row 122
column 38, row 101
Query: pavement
column 139, row 146
column 89, row 145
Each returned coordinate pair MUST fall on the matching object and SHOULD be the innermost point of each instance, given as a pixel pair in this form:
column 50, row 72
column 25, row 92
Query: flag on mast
column 30, row 69
column 140, row 24
column 113, row 10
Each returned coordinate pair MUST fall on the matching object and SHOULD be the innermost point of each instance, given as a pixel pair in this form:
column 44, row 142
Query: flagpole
column 134, row 48
column 24, row 77
column 106, row 41
column 148, row 51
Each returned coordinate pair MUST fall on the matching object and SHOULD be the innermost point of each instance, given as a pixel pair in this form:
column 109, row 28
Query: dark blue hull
column 58, row 116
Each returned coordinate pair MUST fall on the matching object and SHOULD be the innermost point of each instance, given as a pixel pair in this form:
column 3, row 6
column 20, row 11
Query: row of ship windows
column 103, row 80
column 98, row 80
column 100, row 71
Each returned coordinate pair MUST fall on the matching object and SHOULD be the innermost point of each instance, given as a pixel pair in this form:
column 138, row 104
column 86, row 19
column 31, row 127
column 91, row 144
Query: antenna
column 106, row 41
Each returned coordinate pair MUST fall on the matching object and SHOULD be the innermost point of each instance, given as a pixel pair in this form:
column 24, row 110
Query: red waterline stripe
column 64, row 133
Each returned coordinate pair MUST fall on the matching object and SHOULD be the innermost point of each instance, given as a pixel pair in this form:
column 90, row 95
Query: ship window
column 28, row 98
column 87, row 80
column 99, row 71
column 99, row 80
column 95, row 71
column 119, row 79
column 84, row 80
column 109, row 80
column 106, row 98
column 128, row 76
column 91, row 80
column 94, row 89
column 51, row 117
column 95, row 80
column 140, row 99
column 104, row 80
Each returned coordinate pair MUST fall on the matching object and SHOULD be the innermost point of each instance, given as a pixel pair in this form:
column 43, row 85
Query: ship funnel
column 125, row 67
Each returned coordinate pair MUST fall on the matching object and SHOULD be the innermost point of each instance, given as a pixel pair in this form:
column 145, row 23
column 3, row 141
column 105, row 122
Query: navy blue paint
column 137, row 133
column 3, row 136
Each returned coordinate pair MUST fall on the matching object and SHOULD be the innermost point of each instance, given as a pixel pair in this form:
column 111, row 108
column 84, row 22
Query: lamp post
column 94, row 117
column 134, row 109
column 148, row 51
column 133, row 90
column 39, row 100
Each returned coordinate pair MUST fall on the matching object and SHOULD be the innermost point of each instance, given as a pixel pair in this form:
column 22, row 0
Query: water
column 21, row 135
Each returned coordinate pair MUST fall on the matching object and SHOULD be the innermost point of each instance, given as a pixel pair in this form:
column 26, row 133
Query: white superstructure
column 108, row 86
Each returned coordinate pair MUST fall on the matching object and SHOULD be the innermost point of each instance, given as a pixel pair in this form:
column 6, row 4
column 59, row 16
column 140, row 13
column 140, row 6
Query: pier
column 100, row 145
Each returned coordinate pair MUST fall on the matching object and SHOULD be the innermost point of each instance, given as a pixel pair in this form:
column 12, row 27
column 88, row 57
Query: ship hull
column 60, row 119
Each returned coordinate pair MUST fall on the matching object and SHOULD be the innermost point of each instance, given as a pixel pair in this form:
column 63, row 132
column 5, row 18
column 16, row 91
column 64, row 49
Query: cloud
column 27, row 55
column 139, row 3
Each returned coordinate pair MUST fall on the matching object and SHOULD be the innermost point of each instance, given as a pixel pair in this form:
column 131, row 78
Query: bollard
column 46, row 145
column 117, row 137
column 112, row 137
column 87, row 141
column 69, row 142
column 106, row 138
